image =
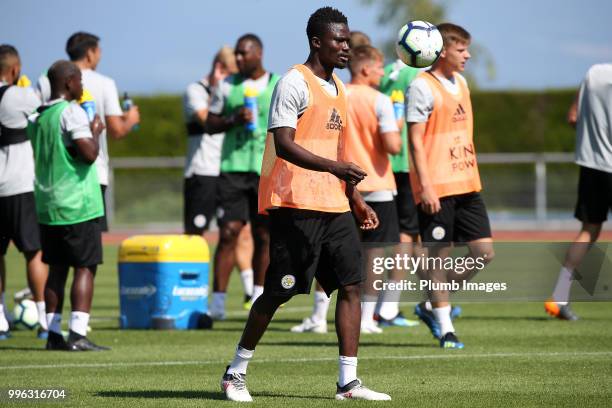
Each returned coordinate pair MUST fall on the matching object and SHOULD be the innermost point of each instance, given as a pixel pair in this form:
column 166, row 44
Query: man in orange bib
column 446, row 182
column 309, row 194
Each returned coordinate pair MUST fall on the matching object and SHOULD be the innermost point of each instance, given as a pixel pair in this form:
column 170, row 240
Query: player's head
column 359, row 38
column 10, row 64
column 329, row 36
column 65, row 79
column 456, row 42
column 85, row 47
column 225, row 61
column 367, row 63
column 249, row 53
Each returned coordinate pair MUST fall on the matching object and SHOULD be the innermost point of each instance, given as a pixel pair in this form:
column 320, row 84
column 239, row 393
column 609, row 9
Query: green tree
column 392, row 14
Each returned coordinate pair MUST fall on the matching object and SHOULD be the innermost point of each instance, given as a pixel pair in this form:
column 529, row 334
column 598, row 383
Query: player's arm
column 288, row 150
column 572, row 114
column 392, row 142
column 365, row 215
column 216, row 123
column 387, row 125
column 429, row 199
column 87, row 148
column 120, row 126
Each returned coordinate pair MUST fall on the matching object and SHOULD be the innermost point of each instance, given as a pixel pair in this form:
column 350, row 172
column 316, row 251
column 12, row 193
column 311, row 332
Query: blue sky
column 160, row 46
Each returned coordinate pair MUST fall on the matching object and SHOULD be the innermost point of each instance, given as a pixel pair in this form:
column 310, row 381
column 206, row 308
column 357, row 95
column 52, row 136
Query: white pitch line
column 307, row 360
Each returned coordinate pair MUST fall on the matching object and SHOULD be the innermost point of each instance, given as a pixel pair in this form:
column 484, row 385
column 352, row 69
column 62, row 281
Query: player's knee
column 228, row 234
column 350, row 291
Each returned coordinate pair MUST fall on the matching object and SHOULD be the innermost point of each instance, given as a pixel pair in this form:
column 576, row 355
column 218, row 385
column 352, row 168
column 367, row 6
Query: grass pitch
column 515, row 356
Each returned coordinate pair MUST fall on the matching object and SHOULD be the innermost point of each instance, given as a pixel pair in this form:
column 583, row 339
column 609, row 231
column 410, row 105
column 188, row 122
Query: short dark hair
column 362, row 55
column 6, row 52
column 79, row 43
column 452, row 34
column 60, row 71
column 251, row 37
column 320, row 20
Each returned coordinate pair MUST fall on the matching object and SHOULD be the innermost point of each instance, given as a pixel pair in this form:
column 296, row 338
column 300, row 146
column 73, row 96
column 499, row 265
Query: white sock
column 54, row 322
column 367, row 309
column 79, row 322
column 428, row 306
column 347, row 370
column 42, row 315
column 246, row 277
column 4, row 326
column 389, row 303
column 257, row 291
column 442, row 315
column 320, row 307
column 564, row 284
column 217, row 306
column 7, row 314
column 241, row 361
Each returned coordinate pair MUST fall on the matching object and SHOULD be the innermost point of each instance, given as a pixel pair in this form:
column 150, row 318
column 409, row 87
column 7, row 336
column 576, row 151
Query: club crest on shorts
column 199, row 220
column 288, row 281
column 220, row 212
column 438, row 233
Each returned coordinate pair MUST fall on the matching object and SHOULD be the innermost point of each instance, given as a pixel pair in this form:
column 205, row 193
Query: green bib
column 243, row 149
column 400, row 81
column 67, row 190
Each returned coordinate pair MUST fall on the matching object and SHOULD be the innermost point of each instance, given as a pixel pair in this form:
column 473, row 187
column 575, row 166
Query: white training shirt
column 594, row 125
column 74, row 122
column 290, row 99
column 17, row 160
column 203, row 150
column 420, row 99
column 106, row 98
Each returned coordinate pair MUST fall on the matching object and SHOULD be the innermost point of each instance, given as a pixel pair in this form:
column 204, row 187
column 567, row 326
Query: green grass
column 514, row 357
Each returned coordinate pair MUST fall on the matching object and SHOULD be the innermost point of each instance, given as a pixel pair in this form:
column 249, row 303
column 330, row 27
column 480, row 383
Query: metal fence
column 149, row 190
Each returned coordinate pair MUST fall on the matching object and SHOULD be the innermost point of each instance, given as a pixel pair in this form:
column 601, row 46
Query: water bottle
column 88, row 104
column 397, row 97
column 127, row 105
column 250, row 102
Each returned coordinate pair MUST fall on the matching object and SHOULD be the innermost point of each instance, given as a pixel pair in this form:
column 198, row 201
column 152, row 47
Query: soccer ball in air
column 25, row 315
column 419, row 44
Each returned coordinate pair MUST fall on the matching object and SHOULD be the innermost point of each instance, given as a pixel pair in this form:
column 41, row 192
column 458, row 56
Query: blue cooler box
column 163, row 281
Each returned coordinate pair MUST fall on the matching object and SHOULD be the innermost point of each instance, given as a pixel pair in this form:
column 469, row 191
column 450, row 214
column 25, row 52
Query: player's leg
column 4, row 324
column 293, row 257
column 232, row 214
column 244, row 258
column 261, row 237
column 317, row 321
column 54, row 303
column 592, row 206
column 37, row 273
column 341, row 253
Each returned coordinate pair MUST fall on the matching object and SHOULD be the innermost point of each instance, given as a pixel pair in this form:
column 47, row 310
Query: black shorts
column 103, row 221
column 406, row 209
column 18, row 223
column 462, row 218
column 199, row 204
column 388, row 229
column 77, row 245
column 594, row 195
column 238, row 198
column 307, row 244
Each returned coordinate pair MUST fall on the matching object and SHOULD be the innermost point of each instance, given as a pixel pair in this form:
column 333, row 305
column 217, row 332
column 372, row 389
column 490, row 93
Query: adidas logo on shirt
column 459, row 114
column 334, row 122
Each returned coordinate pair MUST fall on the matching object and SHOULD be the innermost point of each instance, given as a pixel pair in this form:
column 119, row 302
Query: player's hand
column 366, row 217
column 349, row 172
column 132, row 116
column 244, row 115
column 430, row 203
column 96, row 126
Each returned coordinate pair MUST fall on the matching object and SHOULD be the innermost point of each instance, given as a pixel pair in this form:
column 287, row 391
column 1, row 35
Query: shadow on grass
column 335, row 344
column 205, row 395
column 9, row 348
column 507, row 318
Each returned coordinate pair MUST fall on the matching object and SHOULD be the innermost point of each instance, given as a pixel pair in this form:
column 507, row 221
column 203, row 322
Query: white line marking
column 459, row 355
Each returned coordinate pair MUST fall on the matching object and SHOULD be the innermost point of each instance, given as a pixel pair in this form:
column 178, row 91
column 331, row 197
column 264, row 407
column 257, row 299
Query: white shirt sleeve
column 74, row 123
column 419, row 101
column 219, row 96
column 195, row 99
column 289, row 100
column 43, row 88
column 385, row 114
column 111, row 99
